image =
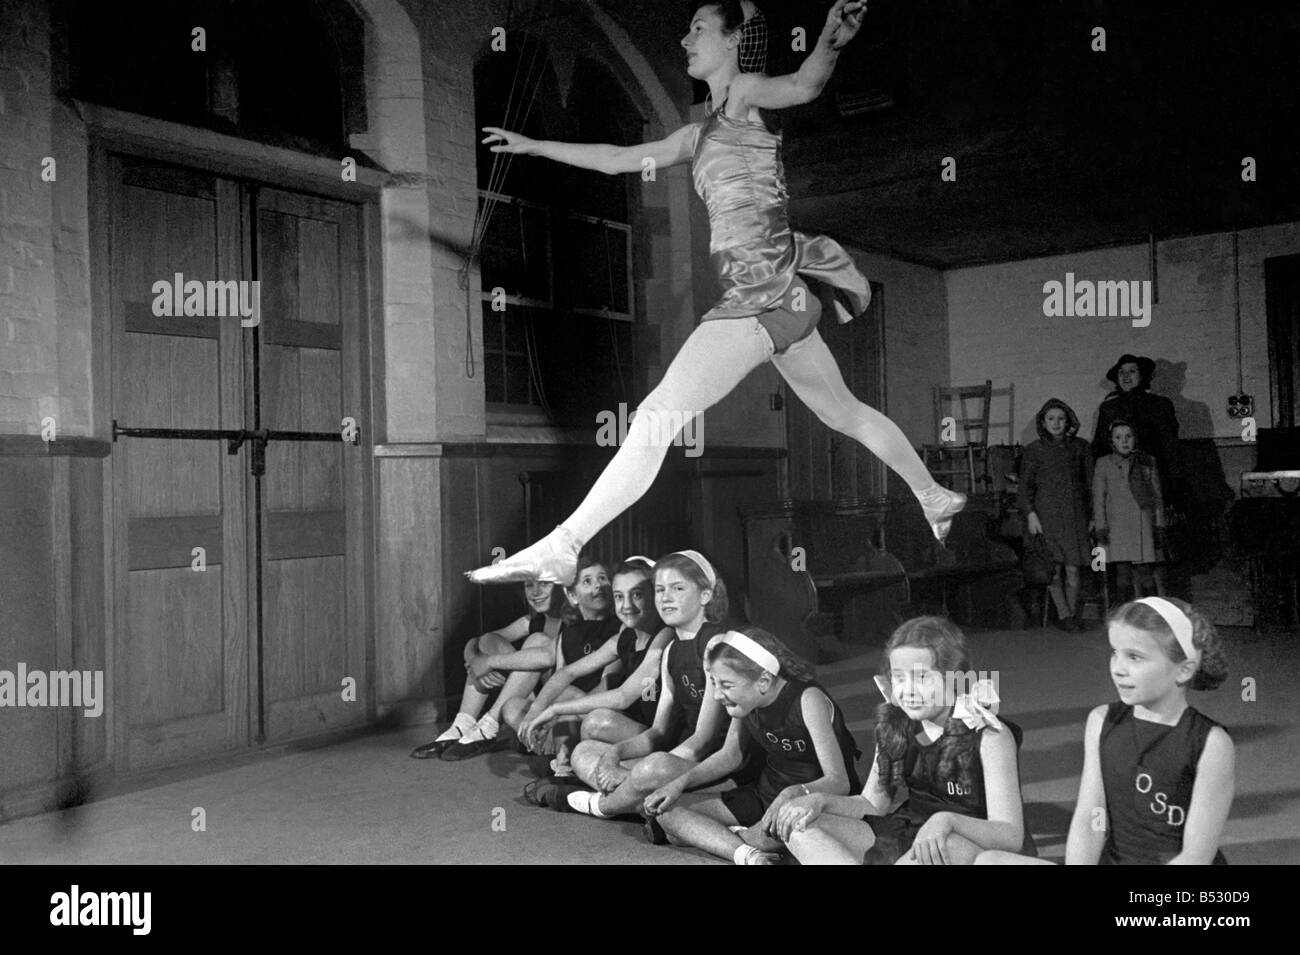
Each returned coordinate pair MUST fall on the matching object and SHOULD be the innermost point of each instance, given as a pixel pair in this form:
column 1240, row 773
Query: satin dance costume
column 738, row 172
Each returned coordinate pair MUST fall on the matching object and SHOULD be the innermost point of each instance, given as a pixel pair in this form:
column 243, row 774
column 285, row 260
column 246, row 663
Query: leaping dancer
column 767, row 311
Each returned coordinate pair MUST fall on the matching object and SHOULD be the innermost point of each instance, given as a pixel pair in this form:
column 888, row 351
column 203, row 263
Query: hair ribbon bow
column 973, row 708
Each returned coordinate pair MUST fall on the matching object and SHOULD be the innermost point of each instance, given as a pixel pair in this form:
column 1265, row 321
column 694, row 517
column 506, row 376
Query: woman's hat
column 1146, row 367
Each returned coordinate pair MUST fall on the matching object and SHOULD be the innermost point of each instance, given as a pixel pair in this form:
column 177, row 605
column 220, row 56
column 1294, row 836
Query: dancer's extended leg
column 714, row 359
column 812, row 373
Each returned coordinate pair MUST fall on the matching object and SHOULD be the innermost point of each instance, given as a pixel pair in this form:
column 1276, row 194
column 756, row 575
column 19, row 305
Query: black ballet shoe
column 454, row 754
column 433, row 750
column 551, row 794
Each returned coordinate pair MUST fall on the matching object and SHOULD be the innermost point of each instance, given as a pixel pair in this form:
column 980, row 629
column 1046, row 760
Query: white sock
column 743, row 853
column 488, row 727
column 461, row 725
column 586, row 802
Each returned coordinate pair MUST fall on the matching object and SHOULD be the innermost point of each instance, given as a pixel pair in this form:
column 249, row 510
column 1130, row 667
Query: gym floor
column 364, row 801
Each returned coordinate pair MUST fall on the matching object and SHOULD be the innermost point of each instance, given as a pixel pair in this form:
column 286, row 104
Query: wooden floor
column 365, row 801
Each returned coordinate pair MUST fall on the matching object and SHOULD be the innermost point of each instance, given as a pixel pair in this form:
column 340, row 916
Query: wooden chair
column 964, row 454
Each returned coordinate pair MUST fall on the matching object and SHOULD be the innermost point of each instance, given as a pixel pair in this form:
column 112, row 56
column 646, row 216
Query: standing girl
column 688, row 723
column 776, row 709
column 1129, row 513
column 546, row 603
column 1158, row 775
column 957, row 760
column 634, row 654
column 767, row 312
column 1055, row 498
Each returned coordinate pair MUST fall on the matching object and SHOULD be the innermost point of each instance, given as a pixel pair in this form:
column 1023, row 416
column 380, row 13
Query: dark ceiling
column 1058, row 148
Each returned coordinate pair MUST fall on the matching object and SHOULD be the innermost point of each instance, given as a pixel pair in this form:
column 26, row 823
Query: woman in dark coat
column 1155, row 427
column 1055, row 496
column 1152, row 417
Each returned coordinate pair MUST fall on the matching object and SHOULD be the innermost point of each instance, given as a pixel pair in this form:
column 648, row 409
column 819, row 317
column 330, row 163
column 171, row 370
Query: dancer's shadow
column 1202, row 487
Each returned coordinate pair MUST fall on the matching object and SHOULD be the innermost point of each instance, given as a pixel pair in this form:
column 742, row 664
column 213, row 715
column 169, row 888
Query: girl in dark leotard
column 546, row 603
column 688, row 722
column 631, row 656
column 588, row 611
column 774, row 279
column 956, row 758
column 776, row 709
column 1158, row 775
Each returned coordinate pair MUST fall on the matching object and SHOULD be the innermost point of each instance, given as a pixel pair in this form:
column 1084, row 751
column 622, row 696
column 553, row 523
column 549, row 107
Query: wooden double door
column 239, row 598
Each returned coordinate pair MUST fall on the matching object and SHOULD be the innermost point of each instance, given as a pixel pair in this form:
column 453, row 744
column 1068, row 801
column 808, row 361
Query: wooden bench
column 816, row 568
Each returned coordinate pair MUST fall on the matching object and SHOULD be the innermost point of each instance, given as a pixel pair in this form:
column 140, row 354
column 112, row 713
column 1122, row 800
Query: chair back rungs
column 960, row 450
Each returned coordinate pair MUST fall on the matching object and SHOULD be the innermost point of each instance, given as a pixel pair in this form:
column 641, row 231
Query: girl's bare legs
column 1124, row 589
column 705, row 823
column 832, row 840
column 1059, row 597
column 715, row 358
column 1072, row 589
column 472, row 700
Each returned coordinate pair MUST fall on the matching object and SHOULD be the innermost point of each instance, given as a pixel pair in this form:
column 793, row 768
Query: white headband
column 695, row 557
column 637, row 557
column 750, row 648
column 1178, row 623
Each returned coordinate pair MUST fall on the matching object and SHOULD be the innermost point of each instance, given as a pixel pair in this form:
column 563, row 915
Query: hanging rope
column 609, row 313
column 497, row 176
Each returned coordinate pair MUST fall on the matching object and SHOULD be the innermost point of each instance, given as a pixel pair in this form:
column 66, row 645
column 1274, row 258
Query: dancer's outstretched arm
column 670, row 151
column 805, row 84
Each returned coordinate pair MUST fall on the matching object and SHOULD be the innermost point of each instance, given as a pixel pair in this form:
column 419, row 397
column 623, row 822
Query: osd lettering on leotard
column 787, row 744
column 1160, row 804
column 686, row 682
column 957, row 789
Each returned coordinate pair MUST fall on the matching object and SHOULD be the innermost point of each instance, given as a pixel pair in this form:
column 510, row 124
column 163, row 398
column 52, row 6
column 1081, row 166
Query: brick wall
column 998, row 330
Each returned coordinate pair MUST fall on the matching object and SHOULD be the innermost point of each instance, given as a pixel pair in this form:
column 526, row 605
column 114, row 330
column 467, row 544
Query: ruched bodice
column 738, row 173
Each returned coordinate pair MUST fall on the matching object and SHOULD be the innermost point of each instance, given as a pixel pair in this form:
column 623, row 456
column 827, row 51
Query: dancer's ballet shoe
column 940, row 506
column 552, row 560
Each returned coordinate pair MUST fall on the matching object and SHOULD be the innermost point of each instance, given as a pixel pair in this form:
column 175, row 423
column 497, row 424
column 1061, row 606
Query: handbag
column 1038, row 565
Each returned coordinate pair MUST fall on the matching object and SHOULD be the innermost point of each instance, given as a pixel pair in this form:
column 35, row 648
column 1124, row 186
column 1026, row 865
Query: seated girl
column 546, row 603
column 590, row 624
column 957, row 760
column 623, row 712
column 1158, row 775
column 688, row 723
column 777, row 708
